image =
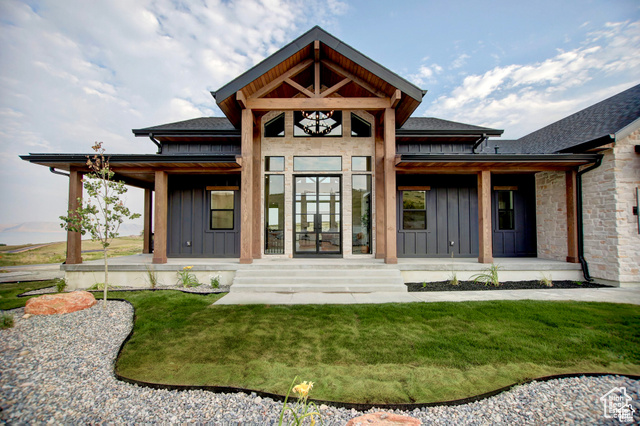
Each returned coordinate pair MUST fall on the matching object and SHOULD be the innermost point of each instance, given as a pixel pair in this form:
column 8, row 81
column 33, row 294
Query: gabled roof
column 593, row 126
column 298, row 50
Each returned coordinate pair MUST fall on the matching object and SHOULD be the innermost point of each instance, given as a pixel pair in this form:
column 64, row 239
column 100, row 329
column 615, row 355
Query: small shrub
column 489, row 276
column 545, row 280
column 100, row 286
column 152, row 277
column 453, row 279
column 577, row 282
column 6, row 321
column 215, row 281
column 186, row 278
column 61, row 285
column 424, row 284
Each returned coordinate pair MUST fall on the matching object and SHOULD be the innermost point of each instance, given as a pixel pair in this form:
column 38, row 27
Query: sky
column 73, row 72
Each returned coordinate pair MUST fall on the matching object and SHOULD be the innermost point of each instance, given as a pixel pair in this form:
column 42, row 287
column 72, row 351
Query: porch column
column 146, row 232
column 484, row 217
column 390, row 185
column 257, row 180
column 246, row 189
column 74, row 239
column 572, row 216
column 379, row 185
column 160, row 219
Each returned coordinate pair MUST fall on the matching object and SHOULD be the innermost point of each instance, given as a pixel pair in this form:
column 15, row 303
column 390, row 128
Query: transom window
column 274, row 164
column 317, row 164
column 414, row 210
column 274, row 128
column 361, row 164
column 317, row 123
column 222, row 207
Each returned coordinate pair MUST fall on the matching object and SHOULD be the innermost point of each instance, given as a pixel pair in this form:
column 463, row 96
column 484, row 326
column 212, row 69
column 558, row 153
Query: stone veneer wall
column 346, row 146
column 611, row 239
column 551, row 215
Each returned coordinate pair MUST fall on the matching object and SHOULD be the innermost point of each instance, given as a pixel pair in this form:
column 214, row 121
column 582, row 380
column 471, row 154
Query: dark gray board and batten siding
column 433, row 148
column 452, row 215
column 189, row 219
column 169, row 148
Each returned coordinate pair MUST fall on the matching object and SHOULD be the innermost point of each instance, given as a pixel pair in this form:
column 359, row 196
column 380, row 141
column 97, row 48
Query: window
column 274, row 164
column 506, row 220
column 361, row 164
column 317, row 164
column 360, row 128
column 274, row 214
column 414, row 209
column 361, row 213
column 275, row 127
column 317, row 123
column 222, row 206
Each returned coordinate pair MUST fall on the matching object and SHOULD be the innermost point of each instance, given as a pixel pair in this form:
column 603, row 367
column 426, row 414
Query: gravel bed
column 201, row 289
column 59, row 369
column 507, row 285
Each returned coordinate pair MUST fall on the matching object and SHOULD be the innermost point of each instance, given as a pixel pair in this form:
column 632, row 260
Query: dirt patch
column 507, row 285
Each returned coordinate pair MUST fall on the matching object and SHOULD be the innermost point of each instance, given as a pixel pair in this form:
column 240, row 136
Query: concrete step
column 318, row 280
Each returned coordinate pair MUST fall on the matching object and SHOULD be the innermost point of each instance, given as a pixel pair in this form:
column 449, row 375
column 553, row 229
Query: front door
column 514, row 216
column 317, row 215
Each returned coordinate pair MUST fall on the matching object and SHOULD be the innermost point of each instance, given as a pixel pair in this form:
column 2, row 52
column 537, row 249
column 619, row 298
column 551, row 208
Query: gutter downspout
column 478, row 142
column 583, row 261
column 55, row 172
column 156, row 142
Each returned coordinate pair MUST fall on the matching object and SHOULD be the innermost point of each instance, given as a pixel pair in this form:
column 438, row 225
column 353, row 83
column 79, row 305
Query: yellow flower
column 303, row 389
column 187, row 267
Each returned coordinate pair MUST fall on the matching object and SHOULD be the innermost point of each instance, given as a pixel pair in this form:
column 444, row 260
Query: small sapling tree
column 104, row 211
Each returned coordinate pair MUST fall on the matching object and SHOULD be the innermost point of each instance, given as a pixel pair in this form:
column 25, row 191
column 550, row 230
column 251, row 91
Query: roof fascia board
column 497, row 158
column 594, row 143
column 140, row 158
column 627, row 130
column 317, row 33
column 419, row 133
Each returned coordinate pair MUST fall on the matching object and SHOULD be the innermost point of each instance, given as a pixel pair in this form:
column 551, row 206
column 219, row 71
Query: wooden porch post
column 246, row 188
column 390, row 185
column 160, row 219
column 484, row 217
column 146, row 232
column 379, row 185
column 572, row 216
column 257, row 213
column 74, row 239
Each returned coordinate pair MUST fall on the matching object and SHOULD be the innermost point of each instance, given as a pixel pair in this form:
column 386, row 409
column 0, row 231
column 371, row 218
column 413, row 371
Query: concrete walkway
column 11, row 274
column 611, row 294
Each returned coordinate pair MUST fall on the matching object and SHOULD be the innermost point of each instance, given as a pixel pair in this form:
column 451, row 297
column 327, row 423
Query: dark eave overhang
column 451, row 133
column 564, row 159
column 68, row 160
column 594, row 143
column 187, row 133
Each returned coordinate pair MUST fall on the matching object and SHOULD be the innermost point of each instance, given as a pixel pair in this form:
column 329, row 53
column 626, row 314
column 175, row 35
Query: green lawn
column 9, row 291
column 418, row 352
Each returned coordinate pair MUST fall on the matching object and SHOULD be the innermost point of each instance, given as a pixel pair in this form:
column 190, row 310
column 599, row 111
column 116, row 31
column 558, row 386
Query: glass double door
column 317, row 215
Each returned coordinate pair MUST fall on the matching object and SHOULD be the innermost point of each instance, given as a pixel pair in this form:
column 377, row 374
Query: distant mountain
column 47, row 232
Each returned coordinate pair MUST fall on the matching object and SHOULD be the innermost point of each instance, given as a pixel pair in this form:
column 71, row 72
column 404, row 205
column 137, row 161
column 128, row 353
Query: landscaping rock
column 389, row 419
column 63, row 303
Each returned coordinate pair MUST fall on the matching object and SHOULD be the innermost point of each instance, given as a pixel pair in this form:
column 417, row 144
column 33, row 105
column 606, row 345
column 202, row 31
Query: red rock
column 389, row 419
column 62, row 303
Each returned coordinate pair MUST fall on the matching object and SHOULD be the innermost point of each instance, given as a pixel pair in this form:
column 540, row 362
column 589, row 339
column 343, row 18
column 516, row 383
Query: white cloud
column 460, row 61
column 75, row 72
column 523, row 98
column 425, row 74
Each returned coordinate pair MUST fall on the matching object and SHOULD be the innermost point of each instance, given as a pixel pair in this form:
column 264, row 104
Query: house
column 318, row 156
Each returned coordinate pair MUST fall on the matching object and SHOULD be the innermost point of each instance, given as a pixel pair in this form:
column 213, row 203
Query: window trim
column 425, row 210
column 211, row 210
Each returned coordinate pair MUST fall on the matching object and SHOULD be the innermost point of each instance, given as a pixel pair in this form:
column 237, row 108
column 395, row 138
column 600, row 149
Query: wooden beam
column 379, row 188
column 264, row 90
column 331, row 90
column 395, row 99
column 257, row 192
column 299, row 88
column 160, row 219
column 360, row 82
column 390, row 186
column 316, row 71
column 74, row 239
column 246, row 188
column 242, row 100
column 572, row 216
column 484, row 217
column 147, row 221
column 285, row 104
column 316, row 50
